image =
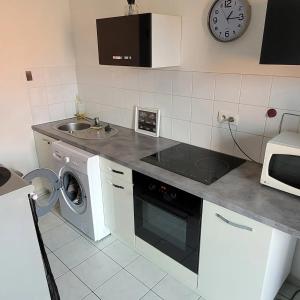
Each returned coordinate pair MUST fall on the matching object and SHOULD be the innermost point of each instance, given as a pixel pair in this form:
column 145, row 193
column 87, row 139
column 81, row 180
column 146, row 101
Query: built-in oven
column 169, row 219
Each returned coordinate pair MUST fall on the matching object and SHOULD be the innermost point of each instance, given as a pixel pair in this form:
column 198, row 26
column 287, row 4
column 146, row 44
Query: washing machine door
column 47, row 188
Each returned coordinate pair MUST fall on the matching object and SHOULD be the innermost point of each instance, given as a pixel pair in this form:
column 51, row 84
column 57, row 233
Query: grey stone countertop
column 239, row 190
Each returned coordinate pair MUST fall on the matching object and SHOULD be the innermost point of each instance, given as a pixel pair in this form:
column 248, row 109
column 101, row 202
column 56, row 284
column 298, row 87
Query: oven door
column 169, row 228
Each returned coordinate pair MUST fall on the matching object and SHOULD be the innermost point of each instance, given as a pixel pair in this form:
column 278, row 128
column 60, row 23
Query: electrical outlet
column 224, row 116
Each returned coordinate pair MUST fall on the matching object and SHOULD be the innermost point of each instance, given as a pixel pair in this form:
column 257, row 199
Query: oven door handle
column 234, row 224
column 167, row 208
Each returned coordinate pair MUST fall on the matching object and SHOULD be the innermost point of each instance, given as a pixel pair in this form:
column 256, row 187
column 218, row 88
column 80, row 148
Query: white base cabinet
column 117, row 194
column 241, row 258
column 43, row 145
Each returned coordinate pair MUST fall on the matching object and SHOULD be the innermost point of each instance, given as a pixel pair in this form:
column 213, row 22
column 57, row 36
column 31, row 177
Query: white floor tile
column 171, row 289
column 59, row 236
column 151, row 296
column 287, row 290
column 71, row 288
column 49, row 222
column 103, row 243
column 120, row 253
column 91, row 296
column 75, row 252
column 146, row 271
column 96, row 270
column 122, row 286
column 57, row 267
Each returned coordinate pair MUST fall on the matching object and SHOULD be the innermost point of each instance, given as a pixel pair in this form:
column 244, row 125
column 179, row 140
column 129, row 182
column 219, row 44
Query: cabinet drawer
column 116, row 170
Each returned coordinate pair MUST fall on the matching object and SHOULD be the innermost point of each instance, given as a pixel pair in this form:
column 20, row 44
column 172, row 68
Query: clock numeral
column 228, row 3
column 227, row 33
column 241, row 17
column 216, row 12
column 215, row 20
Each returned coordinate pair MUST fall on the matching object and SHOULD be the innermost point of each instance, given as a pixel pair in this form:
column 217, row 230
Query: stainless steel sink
column 86, row 130
column 71, row 127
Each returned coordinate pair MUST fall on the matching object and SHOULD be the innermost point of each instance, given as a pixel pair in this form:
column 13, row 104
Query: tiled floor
column 109, row 270
column 287, row 291
column 106, row 270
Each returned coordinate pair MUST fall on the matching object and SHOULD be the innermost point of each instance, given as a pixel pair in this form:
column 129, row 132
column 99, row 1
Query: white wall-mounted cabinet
column 117, row 192
column 241, row 258
column 142, row 40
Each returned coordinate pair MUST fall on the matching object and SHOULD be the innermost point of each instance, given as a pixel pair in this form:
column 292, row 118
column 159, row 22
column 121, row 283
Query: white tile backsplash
column 222, row 141
column 203, row 85
column 256, row 90
column 252, row 119
column 285, row 93
column 182, row 108
column 190, row 102
column 228, row 87
column 181, row 131
column 38, row 96
column 250, row 144
column 201, row 135
column 182, row 83
column 52, row 93
column 202, row 111
column 289, row 123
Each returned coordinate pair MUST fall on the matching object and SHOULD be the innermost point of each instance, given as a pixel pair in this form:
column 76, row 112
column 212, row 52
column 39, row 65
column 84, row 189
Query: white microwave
column 281, row 167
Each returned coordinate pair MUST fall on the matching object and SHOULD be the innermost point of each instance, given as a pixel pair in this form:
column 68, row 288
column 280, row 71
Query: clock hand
column 228, row 18
column 233, row 18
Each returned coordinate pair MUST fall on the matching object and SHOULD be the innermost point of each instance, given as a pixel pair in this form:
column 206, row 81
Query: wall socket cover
column 223, row 116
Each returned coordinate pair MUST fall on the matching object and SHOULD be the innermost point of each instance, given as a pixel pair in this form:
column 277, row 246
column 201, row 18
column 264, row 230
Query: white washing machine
column 76, row 183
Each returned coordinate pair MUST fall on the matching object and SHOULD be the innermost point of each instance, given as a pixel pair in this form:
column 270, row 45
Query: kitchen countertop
column 239, row 190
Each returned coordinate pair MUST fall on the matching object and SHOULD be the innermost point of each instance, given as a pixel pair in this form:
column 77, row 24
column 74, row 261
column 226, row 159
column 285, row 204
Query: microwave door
column 285, row 169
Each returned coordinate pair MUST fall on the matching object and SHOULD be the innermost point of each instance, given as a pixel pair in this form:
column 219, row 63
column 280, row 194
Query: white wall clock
column 229, row 19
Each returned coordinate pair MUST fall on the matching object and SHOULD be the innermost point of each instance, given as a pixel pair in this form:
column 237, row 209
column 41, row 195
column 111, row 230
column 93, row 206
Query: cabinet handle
column 118, row 186
column 48, row 142
column 117, row 172
column 115, row 185
column 234, row 224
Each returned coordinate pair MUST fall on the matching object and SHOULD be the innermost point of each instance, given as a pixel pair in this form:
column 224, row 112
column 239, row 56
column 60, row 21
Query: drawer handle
column 118, row 186
column 47, row 141
column 234, row 224
column 115, row 171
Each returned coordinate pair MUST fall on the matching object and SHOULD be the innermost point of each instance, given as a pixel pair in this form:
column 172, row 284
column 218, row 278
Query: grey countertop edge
column 263, row 204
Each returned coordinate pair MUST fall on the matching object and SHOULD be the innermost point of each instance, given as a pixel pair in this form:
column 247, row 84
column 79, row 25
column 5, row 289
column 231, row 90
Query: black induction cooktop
column 199, row 164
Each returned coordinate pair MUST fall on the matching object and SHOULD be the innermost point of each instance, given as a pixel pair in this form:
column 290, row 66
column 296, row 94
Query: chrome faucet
column 97, row 121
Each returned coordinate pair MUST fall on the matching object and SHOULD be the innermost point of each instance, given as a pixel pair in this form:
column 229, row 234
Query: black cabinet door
column 125, row 41
column 281, row 42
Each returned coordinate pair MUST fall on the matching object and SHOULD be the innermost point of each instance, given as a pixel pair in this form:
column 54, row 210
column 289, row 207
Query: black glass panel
column 4, row 175
column 196, row 163
column 286, row 169
column 168, row 219
column 281, row 40
column 125, row 41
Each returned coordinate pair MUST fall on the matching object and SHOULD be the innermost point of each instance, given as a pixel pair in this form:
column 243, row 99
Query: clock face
column 229, row 19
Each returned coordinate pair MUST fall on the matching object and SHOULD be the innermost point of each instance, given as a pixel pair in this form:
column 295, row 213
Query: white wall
column 34, row 35
column 213, row 76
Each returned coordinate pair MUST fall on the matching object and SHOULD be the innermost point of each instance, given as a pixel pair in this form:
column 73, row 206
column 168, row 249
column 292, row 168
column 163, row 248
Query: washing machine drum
column 73, row 192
